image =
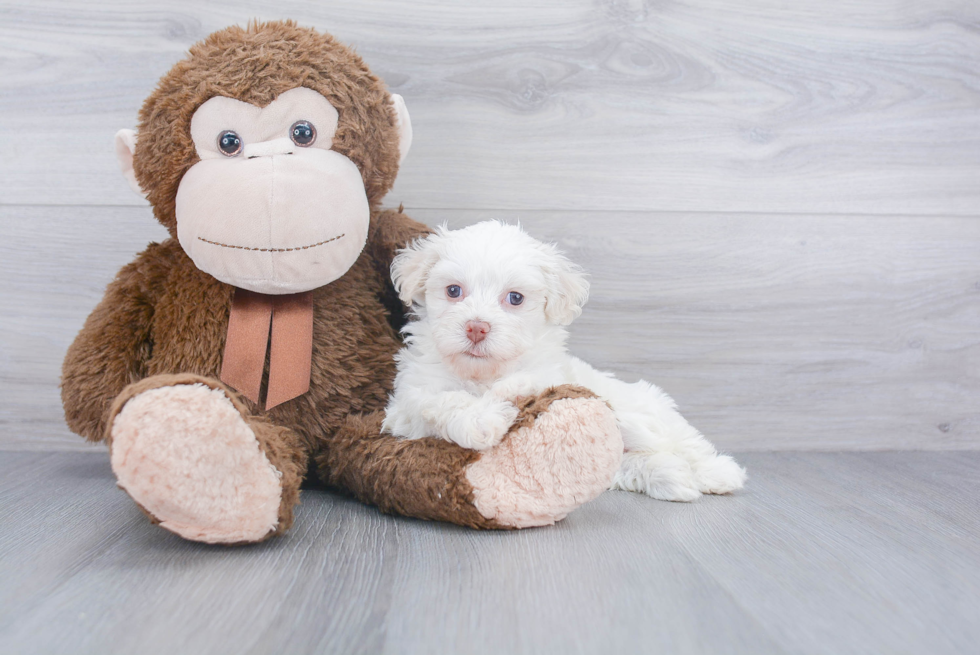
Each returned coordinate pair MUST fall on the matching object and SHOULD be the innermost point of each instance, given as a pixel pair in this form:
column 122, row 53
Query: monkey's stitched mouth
column 312, row 245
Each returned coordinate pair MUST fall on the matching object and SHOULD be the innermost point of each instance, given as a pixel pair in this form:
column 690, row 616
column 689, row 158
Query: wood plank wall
column 779, row 203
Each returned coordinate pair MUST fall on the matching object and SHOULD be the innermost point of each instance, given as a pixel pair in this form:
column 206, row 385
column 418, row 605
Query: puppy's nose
column 476, row 331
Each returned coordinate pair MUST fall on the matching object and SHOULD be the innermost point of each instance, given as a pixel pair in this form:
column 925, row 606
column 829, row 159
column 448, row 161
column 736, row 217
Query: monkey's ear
column 125, row 147
column 410, row 269
column 404, row 126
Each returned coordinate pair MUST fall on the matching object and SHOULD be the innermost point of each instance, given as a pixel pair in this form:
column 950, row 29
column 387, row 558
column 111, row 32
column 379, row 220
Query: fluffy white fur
column 455, row 388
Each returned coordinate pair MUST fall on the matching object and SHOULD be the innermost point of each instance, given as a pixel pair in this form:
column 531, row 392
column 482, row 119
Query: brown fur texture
column 428, row 483
column 163, row 321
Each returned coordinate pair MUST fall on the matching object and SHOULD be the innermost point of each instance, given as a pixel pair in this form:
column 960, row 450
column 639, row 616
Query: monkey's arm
column 113, row 346
column 390, row 231
column 565, row 451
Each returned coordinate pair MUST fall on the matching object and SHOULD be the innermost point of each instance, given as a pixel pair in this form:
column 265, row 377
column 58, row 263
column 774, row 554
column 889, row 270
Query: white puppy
column 491, row 303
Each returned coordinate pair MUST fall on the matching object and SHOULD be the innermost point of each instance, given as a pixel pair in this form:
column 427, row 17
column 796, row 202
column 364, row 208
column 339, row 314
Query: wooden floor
column 821, row 553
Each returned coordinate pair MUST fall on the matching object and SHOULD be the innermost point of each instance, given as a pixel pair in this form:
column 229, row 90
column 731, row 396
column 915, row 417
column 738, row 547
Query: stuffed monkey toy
column 254, row 347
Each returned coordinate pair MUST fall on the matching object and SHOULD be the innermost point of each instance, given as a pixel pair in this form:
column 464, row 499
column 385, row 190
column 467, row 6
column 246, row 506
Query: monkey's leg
column 563, row 451
column 186, row 449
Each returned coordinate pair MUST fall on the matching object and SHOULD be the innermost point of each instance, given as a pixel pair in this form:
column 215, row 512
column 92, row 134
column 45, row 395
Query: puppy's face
column 488, row 293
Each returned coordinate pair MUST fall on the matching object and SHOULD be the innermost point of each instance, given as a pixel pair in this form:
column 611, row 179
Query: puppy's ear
column 568, row 290
column 411, row 267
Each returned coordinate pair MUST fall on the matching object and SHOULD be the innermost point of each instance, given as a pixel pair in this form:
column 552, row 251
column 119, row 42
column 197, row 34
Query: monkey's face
column 264, row 153
column 270, row 207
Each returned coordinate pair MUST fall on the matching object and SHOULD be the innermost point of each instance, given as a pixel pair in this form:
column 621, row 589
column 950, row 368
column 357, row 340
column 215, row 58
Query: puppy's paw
column 720, row 475
column 484, row 425
column 663, row 476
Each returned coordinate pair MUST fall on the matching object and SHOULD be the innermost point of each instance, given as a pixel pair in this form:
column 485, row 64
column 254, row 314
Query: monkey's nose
column 476, row 331
column 281, row 146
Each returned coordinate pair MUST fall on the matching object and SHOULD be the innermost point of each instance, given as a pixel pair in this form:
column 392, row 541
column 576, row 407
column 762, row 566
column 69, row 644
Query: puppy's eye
column 453, row 291
column 515, row 298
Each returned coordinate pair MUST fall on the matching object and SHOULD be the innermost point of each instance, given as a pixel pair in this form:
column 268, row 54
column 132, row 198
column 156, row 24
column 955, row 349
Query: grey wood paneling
column 55, row 263
column 861, row 106
column 772, row 332
column 778, row 203
column 821, row 553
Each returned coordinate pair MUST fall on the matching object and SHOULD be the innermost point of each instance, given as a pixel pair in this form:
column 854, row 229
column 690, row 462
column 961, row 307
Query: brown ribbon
column 290, row 348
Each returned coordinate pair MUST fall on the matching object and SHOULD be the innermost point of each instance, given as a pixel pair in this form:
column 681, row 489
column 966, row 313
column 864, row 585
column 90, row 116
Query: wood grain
column 772, row 332
column 821, row 553
column 759, row 106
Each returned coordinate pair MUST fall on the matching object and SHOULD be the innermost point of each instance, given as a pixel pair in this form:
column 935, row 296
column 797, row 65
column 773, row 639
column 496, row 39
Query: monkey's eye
column 229, row 143
column 515, row 298
column 303, row 133
column 453, row 291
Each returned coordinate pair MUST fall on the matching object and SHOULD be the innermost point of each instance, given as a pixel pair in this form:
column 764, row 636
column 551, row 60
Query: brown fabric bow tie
column 290, row 347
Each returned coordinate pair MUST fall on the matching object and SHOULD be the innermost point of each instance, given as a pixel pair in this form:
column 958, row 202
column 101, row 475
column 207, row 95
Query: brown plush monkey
column 256, row 343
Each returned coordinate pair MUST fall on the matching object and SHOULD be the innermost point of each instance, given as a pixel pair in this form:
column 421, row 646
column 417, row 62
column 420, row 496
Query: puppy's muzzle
column 476, row 331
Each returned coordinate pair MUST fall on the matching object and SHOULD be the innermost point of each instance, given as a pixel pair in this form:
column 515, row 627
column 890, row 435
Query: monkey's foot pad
column 541, row 472
column 187, row 457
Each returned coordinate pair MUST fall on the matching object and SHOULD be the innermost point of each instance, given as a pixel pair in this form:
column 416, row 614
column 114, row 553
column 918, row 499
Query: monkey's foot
column 563, row 451
column 188, row 458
